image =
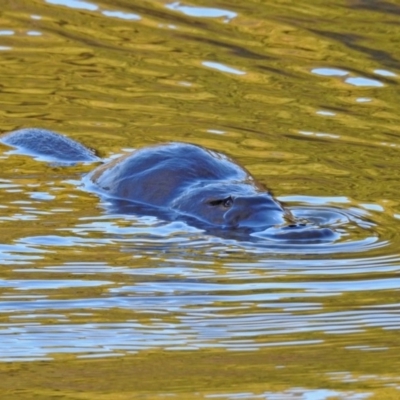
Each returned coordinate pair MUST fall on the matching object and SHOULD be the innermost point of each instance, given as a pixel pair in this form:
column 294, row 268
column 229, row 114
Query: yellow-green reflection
column 304, row 95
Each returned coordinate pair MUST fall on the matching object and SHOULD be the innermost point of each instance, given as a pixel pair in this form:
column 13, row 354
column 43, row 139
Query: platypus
column 190, row 180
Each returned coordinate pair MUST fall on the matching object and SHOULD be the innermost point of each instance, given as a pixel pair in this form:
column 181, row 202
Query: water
column 301, row 94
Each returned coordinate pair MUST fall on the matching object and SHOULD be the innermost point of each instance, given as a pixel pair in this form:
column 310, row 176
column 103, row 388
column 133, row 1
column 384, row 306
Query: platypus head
column 232, row 206
column 257, row 212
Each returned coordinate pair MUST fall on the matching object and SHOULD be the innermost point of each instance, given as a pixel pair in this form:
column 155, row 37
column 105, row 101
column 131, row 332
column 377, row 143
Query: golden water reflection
column 96, row 304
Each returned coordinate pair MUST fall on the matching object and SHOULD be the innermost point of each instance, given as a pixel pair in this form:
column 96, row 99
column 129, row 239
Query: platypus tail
column 48, row 146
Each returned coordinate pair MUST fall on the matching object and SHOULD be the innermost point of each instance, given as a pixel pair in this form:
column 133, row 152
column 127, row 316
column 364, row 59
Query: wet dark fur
column 177, row 178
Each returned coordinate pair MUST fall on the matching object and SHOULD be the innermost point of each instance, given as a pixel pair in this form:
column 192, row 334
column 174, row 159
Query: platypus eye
column 227, row 202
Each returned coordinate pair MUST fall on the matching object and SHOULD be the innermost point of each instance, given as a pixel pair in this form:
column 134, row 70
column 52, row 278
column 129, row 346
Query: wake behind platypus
column 181, row 180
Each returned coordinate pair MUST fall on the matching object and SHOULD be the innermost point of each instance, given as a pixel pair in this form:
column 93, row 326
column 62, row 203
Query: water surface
column 304, row 96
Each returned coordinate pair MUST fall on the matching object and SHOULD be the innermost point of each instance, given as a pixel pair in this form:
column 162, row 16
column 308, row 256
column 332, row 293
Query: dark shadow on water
column 351, row 41
column 233, row 48
column 376, row 6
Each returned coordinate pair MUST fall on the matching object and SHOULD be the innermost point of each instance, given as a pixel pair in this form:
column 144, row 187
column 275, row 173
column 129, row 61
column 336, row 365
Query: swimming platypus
column 189, row 180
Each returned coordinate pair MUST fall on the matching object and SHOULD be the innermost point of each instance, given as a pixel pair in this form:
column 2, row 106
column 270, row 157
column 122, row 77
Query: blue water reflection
column 121, row 15
column 202, row 12
column 329, row 72
column 360, row 81
column 384, row 72
column 223, row 68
